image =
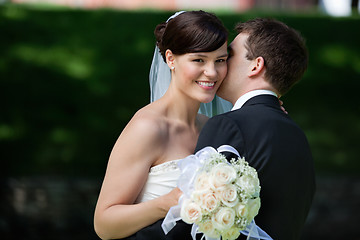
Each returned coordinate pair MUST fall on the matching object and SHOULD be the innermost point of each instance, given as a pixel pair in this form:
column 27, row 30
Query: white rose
column 202, row 181
column 224, row 219
column 208, row 229
column 190, row 212
column 231, row 234
column 248, row 211
column 241, row 210
column 221, row 175
column 249, row 184
column 206, row 199
column 210, row 202
column 197, row 196
column 228, row 195
column 253, row 206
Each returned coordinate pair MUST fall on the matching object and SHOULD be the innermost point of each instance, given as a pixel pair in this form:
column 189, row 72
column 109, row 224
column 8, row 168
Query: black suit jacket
column 277, row 148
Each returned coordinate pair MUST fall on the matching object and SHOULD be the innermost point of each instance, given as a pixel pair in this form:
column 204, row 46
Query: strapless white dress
column 161, row 180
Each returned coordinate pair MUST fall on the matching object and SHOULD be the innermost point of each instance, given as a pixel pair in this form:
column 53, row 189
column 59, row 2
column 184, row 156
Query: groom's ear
column 169, row 58
column 256, row 66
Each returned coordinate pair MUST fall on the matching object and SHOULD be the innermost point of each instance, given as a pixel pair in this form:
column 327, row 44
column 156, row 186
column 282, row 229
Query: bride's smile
column 206, row 85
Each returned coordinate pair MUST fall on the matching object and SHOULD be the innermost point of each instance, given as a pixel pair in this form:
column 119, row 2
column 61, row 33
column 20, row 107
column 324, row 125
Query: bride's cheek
column 221, row 74
column 224, row 72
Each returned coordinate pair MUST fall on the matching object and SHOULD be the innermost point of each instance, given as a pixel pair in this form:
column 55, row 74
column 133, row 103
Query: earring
column 172, row 68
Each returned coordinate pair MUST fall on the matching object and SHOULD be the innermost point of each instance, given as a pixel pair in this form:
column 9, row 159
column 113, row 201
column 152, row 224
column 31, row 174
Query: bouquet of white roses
column 220, row 198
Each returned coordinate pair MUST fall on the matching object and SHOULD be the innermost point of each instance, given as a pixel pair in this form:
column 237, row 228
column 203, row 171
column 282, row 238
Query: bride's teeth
column 206, row 84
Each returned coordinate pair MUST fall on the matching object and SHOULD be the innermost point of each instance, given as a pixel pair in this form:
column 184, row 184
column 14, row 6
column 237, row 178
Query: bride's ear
column 169, row 58
column 257, row 65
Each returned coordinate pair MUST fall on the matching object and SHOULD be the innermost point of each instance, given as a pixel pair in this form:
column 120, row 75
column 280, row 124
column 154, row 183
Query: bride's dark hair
column 189, row 32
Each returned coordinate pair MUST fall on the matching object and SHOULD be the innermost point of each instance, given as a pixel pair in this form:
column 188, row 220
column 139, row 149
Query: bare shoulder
column 149, row 123
column 145, row 134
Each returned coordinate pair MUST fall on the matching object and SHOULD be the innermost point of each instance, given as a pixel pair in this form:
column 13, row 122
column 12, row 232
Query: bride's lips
column 206, row 84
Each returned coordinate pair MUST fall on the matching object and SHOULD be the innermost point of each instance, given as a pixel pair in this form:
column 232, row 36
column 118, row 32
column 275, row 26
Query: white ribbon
column 189, row 167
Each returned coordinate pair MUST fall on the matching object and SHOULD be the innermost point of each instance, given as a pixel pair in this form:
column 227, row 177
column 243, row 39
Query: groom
column 265, row 60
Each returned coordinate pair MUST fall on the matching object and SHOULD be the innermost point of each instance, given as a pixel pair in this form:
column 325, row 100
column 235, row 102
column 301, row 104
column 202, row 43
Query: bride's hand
column 171, row 199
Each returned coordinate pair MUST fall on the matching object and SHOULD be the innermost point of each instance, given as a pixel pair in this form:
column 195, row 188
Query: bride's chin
column 206, row 97
column 207, row 100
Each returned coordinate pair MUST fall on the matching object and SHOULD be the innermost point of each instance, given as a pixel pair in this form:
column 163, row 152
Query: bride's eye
column 198, row 60
column 221, row 60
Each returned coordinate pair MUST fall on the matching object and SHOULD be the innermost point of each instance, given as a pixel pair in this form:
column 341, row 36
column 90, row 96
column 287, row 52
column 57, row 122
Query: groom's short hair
column 282, row 48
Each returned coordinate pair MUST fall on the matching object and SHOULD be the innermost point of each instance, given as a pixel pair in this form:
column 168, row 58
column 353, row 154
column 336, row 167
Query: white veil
column 160, row 77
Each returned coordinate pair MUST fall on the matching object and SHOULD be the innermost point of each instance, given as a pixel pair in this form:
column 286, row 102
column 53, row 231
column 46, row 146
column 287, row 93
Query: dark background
column 71, row 79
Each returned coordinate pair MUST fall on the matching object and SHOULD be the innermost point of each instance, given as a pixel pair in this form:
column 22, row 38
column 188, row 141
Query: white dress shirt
column 240, row 102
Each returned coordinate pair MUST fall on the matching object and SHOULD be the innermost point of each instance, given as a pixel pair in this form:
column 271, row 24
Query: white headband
column 175, row 15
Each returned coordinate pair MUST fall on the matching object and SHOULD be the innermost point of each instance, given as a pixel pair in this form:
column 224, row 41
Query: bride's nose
column 210, row 70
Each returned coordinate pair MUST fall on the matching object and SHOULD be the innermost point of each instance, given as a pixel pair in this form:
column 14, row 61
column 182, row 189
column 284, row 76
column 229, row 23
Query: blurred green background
column 71, row 79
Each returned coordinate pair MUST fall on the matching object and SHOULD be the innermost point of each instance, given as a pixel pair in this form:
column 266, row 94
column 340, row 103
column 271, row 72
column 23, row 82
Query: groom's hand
column 281, row 106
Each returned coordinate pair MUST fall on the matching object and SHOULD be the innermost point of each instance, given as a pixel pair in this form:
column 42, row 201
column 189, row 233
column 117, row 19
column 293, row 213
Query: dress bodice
column 161, row 180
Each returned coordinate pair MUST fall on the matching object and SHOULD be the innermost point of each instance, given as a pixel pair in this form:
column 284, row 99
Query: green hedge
column 71, row 79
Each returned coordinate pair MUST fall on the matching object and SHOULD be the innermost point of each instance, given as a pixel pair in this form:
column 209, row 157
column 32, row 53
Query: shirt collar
column 241, row 101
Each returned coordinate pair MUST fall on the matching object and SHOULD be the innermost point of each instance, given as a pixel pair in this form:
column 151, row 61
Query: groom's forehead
column 238, row 42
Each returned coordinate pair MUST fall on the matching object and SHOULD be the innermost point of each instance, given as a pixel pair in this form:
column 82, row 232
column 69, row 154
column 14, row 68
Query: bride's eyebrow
column 224, row 55
column 198, row 55
column 205, row 56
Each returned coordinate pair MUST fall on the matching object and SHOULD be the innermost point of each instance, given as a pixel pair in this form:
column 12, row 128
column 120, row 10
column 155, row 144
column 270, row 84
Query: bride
column 140, row 181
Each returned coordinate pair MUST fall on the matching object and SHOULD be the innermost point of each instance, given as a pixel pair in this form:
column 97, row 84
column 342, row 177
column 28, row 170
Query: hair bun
column 159, row 32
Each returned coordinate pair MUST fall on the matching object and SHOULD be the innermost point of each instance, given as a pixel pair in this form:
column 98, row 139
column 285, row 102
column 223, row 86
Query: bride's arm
column 133, row 154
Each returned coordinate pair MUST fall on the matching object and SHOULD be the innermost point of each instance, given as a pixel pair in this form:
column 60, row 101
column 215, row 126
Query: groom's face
column 238, row 67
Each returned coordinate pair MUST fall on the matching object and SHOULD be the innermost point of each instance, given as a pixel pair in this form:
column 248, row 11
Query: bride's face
column 199, row 75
